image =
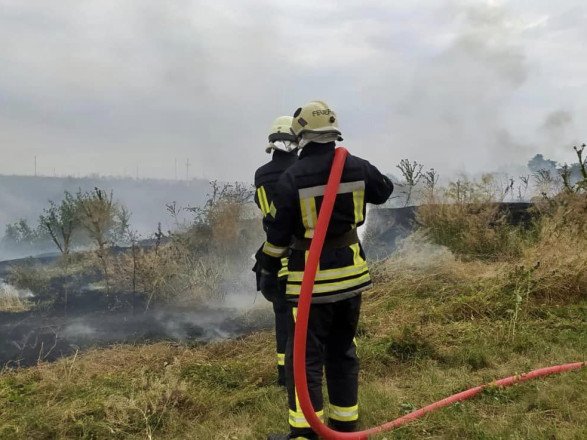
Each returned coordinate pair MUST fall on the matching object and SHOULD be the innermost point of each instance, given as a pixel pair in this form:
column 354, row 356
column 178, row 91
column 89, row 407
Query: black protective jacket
column 343, row 271
column 266, row 178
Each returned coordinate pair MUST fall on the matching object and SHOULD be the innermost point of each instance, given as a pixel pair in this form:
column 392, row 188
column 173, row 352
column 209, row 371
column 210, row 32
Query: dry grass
column 13, row 304
column 11, row 300
column 561, row 249
column 435, row 324
column 472, row 230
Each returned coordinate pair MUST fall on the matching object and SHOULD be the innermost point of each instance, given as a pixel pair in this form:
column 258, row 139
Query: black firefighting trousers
column 330, row 347
column 280, row 311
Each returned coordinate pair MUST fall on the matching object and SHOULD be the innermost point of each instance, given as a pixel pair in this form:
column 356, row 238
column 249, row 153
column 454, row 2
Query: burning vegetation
column 475, row 292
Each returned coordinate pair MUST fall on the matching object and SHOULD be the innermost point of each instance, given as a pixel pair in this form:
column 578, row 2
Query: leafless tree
column 412, row 172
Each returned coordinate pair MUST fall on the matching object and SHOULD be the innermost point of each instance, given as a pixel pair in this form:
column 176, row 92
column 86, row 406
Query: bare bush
column 547, row 182
column 431, row 178
column 201, row 261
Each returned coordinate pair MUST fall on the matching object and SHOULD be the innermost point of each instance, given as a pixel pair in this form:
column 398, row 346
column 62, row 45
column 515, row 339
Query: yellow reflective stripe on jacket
column 281, row 359
column 298, row 420
column 294, row 289
column 263, row 203
column 273, row 210
column 274, row 251
column 283, row 272
column 309, row 215
column 330, row 274
column 343, row 414
column 357, row 259
column 358, row 201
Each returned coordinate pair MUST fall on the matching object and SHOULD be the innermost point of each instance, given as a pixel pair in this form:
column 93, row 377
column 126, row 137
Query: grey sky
column 101, row 86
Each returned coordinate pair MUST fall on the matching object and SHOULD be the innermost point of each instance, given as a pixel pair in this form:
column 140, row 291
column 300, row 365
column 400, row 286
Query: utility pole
column 187, row 168
column 176, row 169
column 137, row 171
column 35, row 166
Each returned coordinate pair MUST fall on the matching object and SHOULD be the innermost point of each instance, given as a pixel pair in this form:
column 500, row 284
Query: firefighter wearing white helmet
column 284, row 146
column 342, row 275
column 315, row 122
column 280, row 136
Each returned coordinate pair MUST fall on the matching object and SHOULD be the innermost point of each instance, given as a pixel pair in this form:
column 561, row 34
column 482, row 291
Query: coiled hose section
column 302, row 327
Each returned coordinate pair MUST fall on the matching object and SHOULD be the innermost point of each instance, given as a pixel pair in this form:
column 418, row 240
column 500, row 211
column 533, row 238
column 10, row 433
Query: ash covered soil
column 29, row 337
column 44, row 334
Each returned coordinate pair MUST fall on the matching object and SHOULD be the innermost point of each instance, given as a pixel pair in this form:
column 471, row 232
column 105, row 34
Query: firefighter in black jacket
column 342, row 274
column 284, row 146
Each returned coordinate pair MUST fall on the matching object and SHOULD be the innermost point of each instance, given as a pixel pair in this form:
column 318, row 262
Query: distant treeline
column 24, row 197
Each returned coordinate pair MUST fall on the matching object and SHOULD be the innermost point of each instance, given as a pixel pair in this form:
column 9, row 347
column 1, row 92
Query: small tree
column 99, row 215
column 412, row 172
column 61, row 221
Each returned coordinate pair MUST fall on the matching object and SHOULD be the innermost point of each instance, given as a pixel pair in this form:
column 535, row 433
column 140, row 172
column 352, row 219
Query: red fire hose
column 302, row 328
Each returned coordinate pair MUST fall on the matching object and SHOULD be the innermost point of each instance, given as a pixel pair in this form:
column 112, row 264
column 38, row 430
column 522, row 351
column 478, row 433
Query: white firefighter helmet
column 280, row 135
column 317, row 122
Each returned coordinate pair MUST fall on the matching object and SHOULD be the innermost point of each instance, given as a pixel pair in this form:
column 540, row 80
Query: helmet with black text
column 315, row 122
column 280, row 136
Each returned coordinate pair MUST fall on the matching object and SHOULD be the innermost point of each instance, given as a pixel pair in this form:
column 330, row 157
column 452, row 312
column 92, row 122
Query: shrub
column 476, row 230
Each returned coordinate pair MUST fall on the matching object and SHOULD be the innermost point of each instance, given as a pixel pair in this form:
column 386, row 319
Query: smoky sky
column 120, row 88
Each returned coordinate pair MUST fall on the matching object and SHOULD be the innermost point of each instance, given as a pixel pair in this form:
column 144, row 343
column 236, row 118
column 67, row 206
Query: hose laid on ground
column 301, row 329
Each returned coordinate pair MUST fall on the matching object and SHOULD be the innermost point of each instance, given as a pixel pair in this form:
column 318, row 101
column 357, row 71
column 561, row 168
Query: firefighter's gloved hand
column 269, row 285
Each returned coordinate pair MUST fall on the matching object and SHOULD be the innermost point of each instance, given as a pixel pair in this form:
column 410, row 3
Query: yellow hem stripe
column 274, row 251
column 330, row 273
column 294, row 289
column 298, row 420
column 343, row 414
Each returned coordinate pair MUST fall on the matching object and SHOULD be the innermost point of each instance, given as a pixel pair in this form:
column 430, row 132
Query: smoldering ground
column 28, row 337
column 73, row 312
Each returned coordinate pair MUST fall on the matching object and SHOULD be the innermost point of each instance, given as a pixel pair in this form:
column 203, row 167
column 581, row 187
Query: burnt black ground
column 29, row 337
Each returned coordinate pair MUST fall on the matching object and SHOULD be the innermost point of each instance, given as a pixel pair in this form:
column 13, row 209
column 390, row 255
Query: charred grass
column 436, row 324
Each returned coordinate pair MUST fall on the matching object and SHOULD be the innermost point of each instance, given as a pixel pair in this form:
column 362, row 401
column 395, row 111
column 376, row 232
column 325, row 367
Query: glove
column 269, row 285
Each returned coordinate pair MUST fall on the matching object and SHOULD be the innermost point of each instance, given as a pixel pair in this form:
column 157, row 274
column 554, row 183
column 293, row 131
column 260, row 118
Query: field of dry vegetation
column 468, row 298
